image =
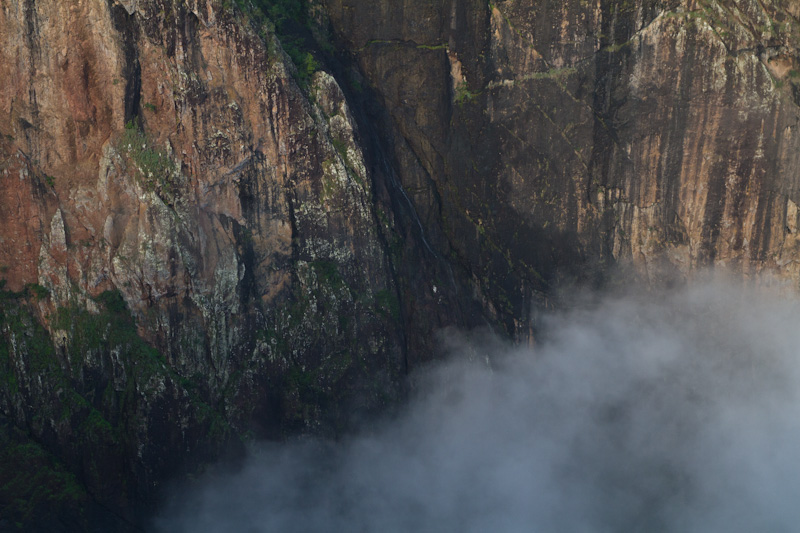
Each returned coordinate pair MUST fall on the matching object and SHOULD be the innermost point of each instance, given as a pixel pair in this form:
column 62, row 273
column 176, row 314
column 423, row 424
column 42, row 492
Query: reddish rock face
column 28, row 203
column 163, row 174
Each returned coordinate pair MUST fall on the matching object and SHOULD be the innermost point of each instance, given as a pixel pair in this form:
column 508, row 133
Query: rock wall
column 190, row 251
column 200, row 244
column 556, row 141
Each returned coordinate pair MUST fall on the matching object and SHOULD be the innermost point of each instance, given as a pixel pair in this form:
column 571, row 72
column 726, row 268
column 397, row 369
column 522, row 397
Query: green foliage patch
column 36, row 291
column 290, row 21
column 156, row 170
column 328, row 273
column 464, row 95
column 52, row 385
column 387, row 303
column 31, row 478
column 111, row 329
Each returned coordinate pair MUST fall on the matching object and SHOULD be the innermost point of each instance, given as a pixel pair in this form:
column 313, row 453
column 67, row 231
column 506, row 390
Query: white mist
column 674, row 411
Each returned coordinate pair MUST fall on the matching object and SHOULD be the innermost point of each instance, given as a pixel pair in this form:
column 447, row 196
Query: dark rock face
column 552, row 140
column 197, row 249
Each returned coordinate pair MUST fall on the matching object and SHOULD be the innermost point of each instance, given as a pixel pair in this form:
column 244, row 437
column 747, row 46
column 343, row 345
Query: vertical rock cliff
column 204, row 240
column 551, row 141
column 190, row 249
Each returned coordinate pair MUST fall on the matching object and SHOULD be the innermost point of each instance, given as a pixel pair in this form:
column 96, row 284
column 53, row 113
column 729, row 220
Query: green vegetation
column 387, row 303
column 112, row 301
column 52, row 385
column 111, row 329
column 328, row 273
column 317, row 332
column 293, row 27
column 341, row 147
column 156, row 170
column 442, row 46
column 31, row 478
column 464, row 95
column 616, row 47
column 355, row 83
column 36, row 291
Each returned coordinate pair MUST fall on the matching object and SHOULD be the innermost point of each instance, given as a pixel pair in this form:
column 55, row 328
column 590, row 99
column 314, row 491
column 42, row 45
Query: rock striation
column 554, row 141
column 205, row 241
column 190, row 251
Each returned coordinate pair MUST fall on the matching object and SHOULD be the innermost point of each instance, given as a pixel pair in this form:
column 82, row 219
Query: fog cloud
column 673, row 411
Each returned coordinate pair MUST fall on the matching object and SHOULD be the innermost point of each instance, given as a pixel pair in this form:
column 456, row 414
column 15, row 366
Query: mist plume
column 672, row 411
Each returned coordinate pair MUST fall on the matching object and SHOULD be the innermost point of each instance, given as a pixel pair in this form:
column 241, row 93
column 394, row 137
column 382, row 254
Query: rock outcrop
column 201, row 244
column 190, row 250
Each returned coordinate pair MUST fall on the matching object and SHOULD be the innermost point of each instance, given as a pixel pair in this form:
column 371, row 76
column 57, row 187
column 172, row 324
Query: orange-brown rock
column 163, row 174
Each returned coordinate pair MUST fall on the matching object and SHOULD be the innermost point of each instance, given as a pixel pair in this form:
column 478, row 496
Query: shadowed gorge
column 236, row 221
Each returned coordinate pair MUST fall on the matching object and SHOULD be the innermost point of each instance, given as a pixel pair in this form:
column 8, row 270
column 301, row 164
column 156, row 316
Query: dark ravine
column 201, row 245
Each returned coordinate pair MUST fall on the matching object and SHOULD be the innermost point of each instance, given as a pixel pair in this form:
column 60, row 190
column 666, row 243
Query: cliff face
column 196, row 233
column 552, row 140
column 200, row 244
